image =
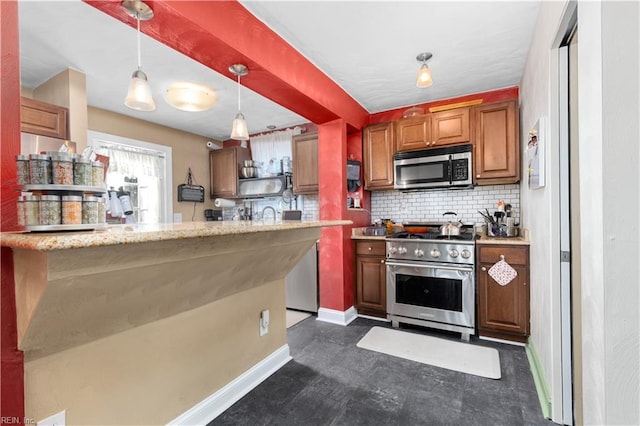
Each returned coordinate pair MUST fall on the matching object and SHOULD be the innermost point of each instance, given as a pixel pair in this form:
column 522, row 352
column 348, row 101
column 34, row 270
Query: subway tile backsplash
column 428, row 206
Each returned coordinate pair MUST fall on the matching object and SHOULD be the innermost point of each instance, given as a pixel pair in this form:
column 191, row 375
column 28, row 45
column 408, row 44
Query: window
column 141, row 168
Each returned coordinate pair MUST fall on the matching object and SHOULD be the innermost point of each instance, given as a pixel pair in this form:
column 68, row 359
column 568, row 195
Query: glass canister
column 102, row 210
column 82, row 172
column 50, row 210
column 62, row 168
column 21, row 218
column 97, row 173
column 90, row 209
column 22, row 164
column 39, row 170
column 31, row 205
column 71, row 210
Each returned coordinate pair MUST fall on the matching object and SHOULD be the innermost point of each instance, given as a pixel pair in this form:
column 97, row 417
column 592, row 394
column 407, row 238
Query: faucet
column 269, row 208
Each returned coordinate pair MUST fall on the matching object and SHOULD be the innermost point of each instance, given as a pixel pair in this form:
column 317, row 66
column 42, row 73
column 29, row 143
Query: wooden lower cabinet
column 503, row 311
column 371, row 278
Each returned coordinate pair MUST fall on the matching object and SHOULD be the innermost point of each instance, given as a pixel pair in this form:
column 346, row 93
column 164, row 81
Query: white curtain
column 148, row 169
column 271, row 147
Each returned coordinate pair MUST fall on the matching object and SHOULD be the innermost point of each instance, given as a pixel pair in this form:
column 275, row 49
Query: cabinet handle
column 382, row 261
column 502, row 257
column 525, row 284
column 369, row 249
column 478, row 176
column 483, row 268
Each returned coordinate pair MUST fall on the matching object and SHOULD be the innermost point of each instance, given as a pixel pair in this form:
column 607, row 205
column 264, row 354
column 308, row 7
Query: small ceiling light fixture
column 424, row 74
column 188, row 96
column 239, row 130
column 139, row 95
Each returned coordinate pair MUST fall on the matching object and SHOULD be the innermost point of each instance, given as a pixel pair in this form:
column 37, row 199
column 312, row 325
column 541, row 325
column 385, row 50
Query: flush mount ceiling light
column 139, row 95
column 424, row 74
column 239, row 130
column 188, row 96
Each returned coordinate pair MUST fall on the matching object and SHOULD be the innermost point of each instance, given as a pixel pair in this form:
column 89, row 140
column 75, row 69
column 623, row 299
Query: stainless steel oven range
column 431, row 280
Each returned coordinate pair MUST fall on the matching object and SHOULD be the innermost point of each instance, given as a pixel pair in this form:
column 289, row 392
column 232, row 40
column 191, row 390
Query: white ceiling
column 368, row 48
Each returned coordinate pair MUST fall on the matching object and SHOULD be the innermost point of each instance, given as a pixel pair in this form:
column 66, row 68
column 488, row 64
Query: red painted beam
column 11, row 359
column 220, row 33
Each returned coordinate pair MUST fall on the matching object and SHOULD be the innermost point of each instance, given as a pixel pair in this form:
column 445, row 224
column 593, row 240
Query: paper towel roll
column 211, row 145
column 223, row 202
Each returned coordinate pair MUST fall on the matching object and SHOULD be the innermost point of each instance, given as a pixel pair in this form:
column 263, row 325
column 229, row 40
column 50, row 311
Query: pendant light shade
column 424, row 74
column 139, row 96
column 239, row 130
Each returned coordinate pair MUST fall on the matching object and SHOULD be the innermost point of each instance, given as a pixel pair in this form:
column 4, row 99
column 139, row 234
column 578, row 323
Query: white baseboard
column 373, row 318
column 337, row 317
column 508, row 342
column 215, row 404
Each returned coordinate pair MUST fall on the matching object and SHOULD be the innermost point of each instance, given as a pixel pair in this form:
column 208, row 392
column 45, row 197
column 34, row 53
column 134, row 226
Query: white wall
column 608, row 55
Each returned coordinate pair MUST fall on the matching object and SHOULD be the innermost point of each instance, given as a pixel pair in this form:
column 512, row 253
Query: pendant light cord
column 139, row 57
column 239, row 109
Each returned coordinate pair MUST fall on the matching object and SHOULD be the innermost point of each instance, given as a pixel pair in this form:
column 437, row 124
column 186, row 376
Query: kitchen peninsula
column 142, row 324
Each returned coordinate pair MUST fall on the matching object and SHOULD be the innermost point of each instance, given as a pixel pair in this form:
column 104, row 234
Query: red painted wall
column 11, row 360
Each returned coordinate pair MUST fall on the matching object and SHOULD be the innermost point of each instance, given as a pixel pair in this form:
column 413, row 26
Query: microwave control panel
column 459, row 170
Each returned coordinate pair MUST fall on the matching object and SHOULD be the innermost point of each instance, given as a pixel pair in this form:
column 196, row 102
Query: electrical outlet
column 264, row 322
column 177, row 218
column 58, row 419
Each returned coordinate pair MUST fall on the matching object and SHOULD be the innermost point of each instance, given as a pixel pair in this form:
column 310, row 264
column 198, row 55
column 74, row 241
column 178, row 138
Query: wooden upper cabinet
column 305, row 163
column 44, row 119
column 414, row 133
column 496, row 143
column 450, row 127
column 224, row 166
column 378, row 145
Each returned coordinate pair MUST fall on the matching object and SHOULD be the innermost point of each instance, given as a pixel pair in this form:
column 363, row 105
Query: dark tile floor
column 330, row 381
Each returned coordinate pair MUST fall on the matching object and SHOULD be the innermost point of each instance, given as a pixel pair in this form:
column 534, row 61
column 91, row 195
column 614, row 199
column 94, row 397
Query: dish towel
column 502, row 273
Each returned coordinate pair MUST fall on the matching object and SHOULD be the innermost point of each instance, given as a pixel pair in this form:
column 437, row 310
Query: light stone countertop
column 510, row 240
column 133, row 234
column 358, row 234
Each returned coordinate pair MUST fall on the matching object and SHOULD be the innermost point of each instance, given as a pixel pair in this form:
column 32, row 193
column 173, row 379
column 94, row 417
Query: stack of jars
column 35, row 210
column 59, row 168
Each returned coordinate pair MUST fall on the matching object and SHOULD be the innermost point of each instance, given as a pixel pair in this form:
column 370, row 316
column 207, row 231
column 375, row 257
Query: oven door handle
column 465, row 268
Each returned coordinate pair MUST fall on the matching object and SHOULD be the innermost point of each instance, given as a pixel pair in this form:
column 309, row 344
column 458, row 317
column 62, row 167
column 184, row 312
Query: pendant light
column 139, row 96
column 239, row 129
column 424, row 74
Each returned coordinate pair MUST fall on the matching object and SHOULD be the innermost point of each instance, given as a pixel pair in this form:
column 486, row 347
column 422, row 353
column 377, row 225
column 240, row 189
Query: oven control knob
column 402, row 250
column 435, row 253
column 466, row 254
column 453, row 253
column 419, row 252
column 392, row 250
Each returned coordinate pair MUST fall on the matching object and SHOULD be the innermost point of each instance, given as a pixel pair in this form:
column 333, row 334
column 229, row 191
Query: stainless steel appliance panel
column 302, row 283
column 34, row 144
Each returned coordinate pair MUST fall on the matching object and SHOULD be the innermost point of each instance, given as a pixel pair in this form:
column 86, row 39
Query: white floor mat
column 457, row 356
column 294, row 317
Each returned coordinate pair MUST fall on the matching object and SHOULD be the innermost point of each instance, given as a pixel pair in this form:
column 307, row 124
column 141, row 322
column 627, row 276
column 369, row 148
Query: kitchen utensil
column 451, row 228
column 251, row 163
column 416, row 228
column 249, row 172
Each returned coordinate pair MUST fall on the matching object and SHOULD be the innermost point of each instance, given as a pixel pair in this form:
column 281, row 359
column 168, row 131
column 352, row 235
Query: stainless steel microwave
column 446, row 167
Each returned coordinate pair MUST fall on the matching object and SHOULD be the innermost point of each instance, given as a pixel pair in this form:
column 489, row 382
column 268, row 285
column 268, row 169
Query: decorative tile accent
column 428, row 206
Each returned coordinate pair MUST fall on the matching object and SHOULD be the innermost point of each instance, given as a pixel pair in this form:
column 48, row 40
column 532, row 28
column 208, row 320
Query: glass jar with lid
column 31, row 206
column 39, row 169
column 82, row 172
column 62, row 168
column 22, row 165
column 102, row 210
column 71, row 210
column 90, row 209
column 50, row 213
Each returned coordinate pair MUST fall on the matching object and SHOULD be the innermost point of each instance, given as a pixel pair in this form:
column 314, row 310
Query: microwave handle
column 450, row 169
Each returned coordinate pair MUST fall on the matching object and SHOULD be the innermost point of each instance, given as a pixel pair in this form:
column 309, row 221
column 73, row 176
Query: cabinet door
column 44, row 119
column 497, row 150
column 223, row 170
column 414, row 133
column 371, row 289
column 503, row 311
column 305, row 164
column 378, row 141
column 450, row 127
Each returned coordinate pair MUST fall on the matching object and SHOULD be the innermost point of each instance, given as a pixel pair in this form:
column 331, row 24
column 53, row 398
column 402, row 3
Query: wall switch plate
column 58, row 419
column 264, row 322
column 177, row 218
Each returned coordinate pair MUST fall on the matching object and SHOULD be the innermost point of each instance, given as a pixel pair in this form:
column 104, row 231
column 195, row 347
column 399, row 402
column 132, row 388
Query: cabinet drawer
column 516, row 255
column 371, row 248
